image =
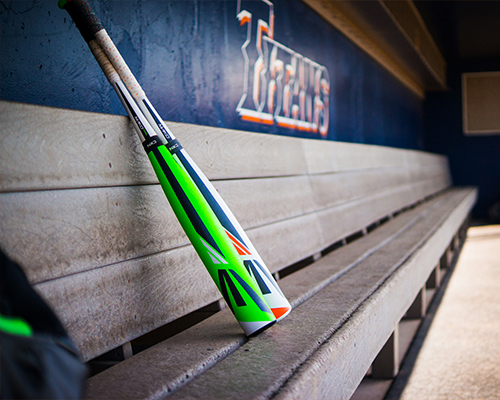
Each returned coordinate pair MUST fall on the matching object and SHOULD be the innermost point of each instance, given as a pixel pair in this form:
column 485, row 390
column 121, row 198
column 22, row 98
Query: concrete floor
column 460, row 355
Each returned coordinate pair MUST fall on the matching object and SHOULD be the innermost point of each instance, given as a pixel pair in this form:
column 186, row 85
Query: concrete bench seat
column 353, row 232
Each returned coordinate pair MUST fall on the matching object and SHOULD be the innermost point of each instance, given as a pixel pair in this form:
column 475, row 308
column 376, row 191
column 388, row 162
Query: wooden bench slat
column 338, row 188
column 82, row 229
column 259, row 368
column 286, row 242
column 325, row 157
column 63, row 232
column 67, row 149
column 230, row 154
column 106, row 307
column 348, row 156
column 305, row 236
column 179, row 358
column 348, row 218
column 336, row 369
column 257, row 202
column 74, row 149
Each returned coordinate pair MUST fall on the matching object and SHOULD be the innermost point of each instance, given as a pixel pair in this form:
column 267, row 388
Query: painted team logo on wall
column 281, row 87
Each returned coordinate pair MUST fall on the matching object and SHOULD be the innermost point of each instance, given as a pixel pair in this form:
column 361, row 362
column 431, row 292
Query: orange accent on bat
column 242, row 251
column 279, row 311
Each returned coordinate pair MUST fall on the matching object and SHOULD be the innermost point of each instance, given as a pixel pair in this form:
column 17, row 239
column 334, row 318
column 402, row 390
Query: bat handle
column 87, row 23
column 84, row 17
column 91, row 28
column 104, row 62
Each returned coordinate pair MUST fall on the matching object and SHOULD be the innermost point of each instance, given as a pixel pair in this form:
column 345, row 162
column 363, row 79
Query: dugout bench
column 356, row 235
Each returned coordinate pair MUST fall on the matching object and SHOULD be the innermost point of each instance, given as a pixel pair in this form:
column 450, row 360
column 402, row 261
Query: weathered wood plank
column 345, row 219
column 268, row 361
column 59, row 232
column 62, row 232
column 286, row 242
column 47, row 148
column 336, row 188
column 257, row 202
column 325, row 157
column 106, row 307
column 187, row 355
column 180, row 358
column 72, row 149
column 339, row 365
column 229, row 154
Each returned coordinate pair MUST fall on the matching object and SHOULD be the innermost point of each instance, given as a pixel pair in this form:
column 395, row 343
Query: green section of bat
column 202, row 214
column 210, row 240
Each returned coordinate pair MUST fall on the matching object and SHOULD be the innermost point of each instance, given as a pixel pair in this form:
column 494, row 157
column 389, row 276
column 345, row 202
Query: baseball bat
column 216, row 215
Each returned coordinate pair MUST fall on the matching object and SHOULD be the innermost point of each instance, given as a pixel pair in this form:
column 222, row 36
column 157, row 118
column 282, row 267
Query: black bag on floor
column 38, row 360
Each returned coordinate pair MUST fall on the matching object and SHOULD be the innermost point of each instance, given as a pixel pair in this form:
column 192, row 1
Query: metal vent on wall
column 481, row 103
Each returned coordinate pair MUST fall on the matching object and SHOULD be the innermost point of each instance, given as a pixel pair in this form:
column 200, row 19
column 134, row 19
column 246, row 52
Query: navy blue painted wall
column 474, row 160
column 188, row 57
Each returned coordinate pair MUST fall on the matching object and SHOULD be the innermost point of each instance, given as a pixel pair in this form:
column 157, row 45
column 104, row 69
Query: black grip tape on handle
column 84, row 17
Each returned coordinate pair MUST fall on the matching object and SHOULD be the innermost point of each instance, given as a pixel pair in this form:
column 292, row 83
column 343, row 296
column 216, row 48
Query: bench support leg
column 456, row 244
column 386, row 364
column 127, row 350
column 417, row 309
column 443, row 262
column 449, row 255
column 434, row 278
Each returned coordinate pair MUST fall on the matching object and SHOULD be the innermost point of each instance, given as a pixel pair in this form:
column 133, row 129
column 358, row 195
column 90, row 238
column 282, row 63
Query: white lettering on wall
column 289, row 89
